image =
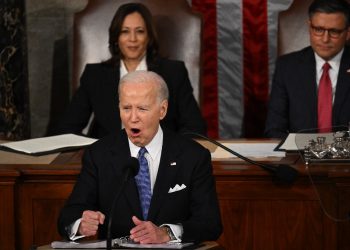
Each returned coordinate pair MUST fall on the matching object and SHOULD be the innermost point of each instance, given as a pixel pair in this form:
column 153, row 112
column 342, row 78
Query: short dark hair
column 116, row 26
column 331, row 6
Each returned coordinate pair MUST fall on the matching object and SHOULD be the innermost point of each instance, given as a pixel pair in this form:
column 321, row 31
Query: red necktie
column 325, row 101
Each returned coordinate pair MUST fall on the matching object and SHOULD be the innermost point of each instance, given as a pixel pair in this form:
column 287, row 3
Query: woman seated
column 133, row 46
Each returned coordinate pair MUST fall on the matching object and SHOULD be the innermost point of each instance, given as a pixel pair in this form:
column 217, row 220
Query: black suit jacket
column 293, row 99
column 98, row 93
column 195, row 207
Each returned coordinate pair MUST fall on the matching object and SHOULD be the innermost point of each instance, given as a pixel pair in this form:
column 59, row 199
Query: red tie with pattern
column 325, row 101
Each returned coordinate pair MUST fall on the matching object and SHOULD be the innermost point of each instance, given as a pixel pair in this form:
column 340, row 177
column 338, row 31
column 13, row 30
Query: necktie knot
column 326, row 67
column 142, row 152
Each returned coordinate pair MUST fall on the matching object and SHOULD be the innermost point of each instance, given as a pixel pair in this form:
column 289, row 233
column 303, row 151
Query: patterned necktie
column 143, row 182
column 325, row 101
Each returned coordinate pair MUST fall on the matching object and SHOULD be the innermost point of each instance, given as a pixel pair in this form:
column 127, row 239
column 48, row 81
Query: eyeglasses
column 334, row 33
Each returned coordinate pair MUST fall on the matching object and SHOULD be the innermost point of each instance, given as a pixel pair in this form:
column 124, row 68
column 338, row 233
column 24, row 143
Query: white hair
column 143, row 76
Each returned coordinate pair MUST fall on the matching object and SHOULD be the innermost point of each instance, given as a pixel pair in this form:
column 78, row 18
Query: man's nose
column 134, row 115
column 325, row 36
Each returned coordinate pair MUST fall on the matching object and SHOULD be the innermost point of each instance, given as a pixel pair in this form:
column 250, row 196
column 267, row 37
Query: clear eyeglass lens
column 334, row 33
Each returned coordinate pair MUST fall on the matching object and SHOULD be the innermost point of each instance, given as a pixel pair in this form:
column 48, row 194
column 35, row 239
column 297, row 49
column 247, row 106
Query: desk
column 256, row 213
column 209, row 245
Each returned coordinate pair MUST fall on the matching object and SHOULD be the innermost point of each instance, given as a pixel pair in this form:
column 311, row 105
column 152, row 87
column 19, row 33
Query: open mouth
column 135, row 131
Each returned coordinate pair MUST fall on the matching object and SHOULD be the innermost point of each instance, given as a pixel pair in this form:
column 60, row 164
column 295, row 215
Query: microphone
column 281, row 172
column 130, row 170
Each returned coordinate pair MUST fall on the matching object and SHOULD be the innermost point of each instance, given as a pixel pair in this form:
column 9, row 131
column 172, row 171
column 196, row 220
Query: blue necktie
column 143, row 182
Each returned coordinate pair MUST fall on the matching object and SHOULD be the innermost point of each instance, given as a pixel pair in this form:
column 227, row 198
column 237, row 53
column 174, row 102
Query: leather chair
column 293, row 31
column 179, row 33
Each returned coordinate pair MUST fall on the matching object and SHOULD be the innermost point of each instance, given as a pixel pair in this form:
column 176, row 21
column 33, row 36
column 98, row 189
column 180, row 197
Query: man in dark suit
column 295, row 102
column 176, row 202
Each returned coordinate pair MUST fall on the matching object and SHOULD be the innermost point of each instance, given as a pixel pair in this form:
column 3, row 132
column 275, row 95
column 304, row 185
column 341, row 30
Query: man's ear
column 163, row 109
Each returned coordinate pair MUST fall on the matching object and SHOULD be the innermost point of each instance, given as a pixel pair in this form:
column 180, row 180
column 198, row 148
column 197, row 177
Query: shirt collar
column 334, row 62
column 153, row 148
column 142, row 66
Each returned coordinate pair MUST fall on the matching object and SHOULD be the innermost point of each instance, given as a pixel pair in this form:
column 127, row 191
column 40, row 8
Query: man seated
column 310, row 88
column 172, row 197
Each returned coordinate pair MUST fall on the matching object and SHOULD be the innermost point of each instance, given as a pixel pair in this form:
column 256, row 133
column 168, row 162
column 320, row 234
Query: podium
column 256, row 212
column 208, row 245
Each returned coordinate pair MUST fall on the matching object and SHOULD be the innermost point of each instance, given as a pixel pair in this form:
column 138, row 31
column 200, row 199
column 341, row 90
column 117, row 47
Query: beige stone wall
column 49, row 41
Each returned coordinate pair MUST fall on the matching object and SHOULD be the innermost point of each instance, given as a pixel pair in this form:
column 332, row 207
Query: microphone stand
column 131, row 170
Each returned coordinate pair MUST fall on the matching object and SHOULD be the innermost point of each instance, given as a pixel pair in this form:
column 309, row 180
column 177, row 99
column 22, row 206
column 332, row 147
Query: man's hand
column 146, row 232
column 90, row 222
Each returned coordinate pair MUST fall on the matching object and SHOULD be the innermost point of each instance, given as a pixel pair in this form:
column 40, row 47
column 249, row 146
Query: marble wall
column 35, row 64
column 14, row 105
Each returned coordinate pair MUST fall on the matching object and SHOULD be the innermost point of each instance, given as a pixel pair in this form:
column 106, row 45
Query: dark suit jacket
column 98, row 93
column 195, row 207
column 293, row 99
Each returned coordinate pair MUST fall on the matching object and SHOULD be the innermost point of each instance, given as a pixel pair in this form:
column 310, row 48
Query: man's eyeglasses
column 334, row 33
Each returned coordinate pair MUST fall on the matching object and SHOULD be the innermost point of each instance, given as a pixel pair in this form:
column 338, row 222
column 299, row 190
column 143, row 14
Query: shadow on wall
column 60, row 85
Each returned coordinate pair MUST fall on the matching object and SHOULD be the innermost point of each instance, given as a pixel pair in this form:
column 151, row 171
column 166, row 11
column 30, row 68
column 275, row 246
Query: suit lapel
column 154, row 66
column 109, row 96
column 166, row 174
column 309, row 87
column 343, row 85
column 120, row 154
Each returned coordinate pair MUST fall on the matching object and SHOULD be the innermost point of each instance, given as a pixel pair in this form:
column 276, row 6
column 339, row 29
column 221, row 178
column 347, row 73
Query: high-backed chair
column 293, row 31
column 178, row 28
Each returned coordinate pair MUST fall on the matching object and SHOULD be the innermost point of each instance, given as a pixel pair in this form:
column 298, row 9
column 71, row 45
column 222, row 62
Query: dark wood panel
column 260, row 215
column 46, row 210
column 39, row 210
column 344, row 226
column 7, row 214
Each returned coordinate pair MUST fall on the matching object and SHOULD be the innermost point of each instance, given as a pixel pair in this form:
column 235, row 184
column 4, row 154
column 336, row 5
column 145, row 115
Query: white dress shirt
column 142, row 66
column 154, row 151
column 333, row 71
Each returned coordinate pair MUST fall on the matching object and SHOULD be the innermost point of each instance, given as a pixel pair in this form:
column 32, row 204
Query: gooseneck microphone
column 281, row 172
column 130, row 170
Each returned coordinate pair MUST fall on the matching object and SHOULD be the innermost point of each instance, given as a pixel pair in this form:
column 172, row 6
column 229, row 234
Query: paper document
column 116, row 243
column 298, row 141
column 46, row 145
column 73, row 244
column 255, row 150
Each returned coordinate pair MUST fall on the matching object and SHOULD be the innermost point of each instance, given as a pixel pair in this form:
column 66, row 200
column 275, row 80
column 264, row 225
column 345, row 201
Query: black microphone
column 281, row 172
column 130, row 170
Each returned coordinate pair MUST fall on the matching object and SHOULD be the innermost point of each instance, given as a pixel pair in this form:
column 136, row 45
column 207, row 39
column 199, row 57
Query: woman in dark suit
column 133, row 46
